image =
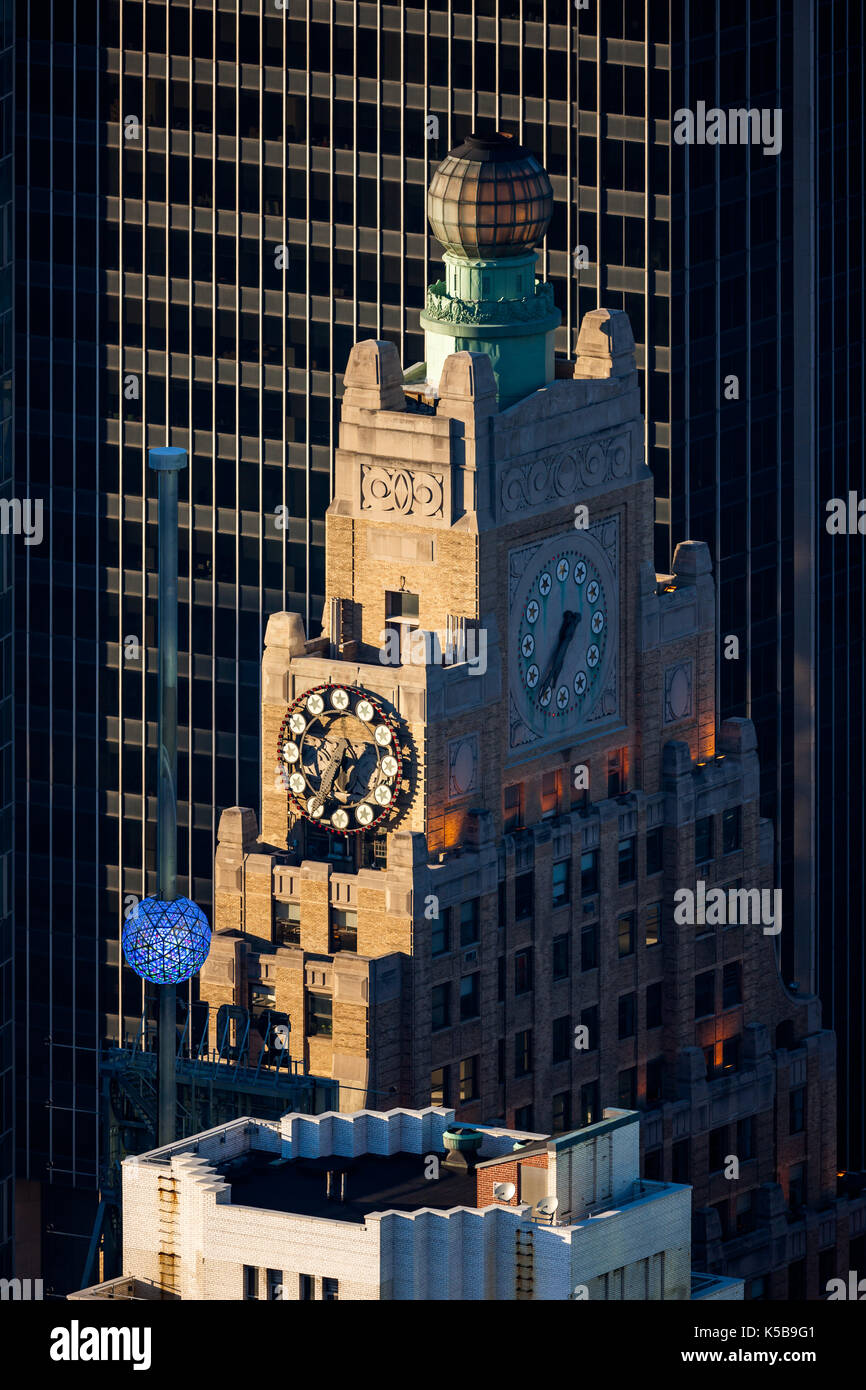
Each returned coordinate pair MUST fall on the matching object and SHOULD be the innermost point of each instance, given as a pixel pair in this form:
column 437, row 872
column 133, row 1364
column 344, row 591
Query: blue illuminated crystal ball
column 166, row 943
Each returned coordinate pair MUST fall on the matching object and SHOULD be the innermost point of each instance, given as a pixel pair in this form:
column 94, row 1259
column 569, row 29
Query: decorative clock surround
column 563, row 632
column 341, row 751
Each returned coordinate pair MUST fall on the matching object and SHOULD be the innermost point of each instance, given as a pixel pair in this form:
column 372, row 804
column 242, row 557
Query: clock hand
column 567, row 629
column 332, row 768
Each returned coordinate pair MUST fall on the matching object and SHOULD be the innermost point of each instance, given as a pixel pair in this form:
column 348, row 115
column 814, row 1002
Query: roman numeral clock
column 563, row 633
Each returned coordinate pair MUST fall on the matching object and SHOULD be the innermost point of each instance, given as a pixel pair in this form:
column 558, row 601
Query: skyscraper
column 215, row 202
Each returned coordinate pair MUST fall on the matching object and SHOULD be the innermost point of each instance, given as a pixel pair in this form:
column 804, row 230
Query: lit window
column 468, row 1079
column 653, row 924
column 439, row 1086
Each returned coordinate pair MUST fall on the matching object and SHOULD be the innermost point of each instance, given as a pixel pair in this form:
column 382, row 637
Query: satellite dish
column 504, row 1191
column 547, row 1207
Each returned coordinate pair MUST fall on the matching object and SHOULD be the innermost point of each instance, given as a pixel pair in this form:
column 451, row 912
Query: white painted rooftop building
column 404, row 1205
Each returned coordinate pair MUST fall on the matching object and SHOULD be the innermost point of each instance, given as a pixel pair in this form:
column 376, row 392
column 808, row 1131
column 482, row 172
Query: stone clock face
column 341, row 756
column 563, row 633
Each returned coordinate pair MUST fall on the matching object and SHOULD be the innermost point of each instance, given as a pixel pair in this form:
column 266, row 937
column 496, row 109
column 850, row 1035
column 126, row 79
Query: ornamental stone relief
column 462, row 765
column 402, row 490
column 560, row 476
column 679, row 681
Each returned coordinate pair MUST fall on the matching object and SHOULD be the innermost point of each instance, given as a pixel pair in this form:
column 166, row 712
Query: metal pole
column 167, row 463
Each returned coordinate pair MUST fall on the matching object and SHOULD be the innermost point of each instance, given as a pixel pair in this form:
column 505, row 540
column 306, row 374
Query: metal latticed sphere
column 489, row 198
column 166, row 943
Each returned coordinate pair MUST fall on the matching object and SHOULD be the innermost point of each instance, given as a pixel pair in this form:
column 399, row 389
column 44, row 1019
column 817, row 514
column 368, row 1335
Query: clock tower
column 485, row 782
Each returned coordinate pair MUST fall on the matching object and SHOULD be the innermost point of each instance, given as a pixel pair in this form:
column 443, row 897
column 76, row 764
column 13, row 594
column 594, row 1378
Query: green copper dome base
column 497, row 307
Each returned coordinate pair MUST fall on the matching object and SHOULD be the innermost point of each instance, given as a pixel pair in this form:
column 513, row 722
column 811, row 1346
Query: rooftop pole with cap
column 167, row 464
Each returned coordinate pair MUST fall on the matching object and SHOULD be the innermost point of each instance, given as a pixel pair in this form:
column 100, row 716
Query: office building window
column 746, row 1138
column 705, row 994
column 524, row 895
column 306, row 1288
column 718, row 1148
column 468, row 1079
column 589, row 873
column 589, row 947
column 590, row 1109
column 680, row 1161
column 287, row 923
column 561, row 957
column 731, row 1054
column 275, row 1285
column 626, row 1015
column 796, row 1186
column 703, row 840
column 330, row 1290
column 732, row 992
column 627, row 1088
column 797, row 1110
column 561, row 883
column 744, row 1210
column 523, row 1052
column 251, row 1282
column 441, row 1006
column 625, row 935
column 562, row 1112
column 627, row 860
column 654, row 1005
column 523, row 971
column 470, row 922
column 655, row 1080
column 401, row 614
column 513, row 807
column 732, row 835
column 320, row 1010
column 561, row 1048
column 654, row 852
column 653, row 924
column 550, row 783
column 439, row 1089
column 523, row 1118
column 440, row 934
column 470, row 997
column 260, row 997
column 589, row 1021
column 617, row 780
column 344, row 929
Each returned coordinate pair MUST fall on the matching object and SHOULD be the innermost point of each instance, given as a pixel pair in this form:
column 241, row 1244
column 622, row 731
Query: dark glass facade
column 214, row 203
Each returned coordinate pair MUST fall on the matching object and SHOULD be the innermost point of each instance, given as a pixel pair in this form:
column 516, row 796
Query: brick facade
column 418, row 509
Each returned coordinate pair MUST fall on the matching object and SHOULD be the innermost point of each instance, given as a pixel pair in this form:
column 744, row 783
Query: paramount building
column 460, row 885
